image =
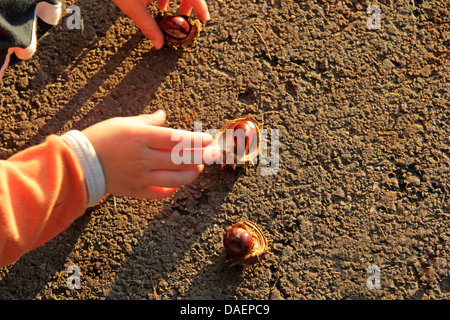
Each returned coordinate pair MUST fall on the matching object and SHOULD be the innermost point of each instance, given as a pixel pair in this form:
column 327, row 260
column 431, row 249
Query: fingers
column 172, row 146
column 157, row 118
column 154, row 192
column 164, row 183
column 162, row 4
column 174, row 178
column 185, row 7
column 200, row 8
column 138, row 12
column 148, row 26
column 183, row 159
column 167, row 138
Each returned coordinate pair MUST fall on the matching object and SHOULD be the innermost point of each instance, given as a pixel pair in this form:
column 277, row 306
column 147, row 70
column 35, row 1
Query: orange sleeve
column 42, row 191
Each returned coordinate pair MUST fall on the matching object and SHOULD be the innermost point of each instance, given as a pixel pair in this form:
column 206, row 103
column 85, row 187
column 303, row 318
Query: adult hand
column 137, row 10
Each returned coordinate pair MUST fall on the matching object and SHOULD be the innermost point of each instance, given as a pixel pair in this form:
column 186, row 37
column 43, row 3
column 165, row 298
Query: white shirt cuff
column 92, row 169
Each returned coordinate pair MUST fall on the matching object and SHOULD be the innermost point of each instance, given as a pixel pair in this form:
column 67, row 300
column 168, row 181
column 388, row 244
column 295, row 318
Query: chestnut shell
column 259, row 248
column 195, row 27
column 254, row 149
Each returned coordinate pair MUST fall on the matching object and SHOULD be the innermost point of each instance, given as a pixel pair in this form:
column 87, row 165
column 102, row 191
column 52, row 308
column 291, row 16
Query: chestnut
column 245, row 243
column 245, row 134
column 238, row 242
column 247, row 141
column 179, row 31
column 176, row 26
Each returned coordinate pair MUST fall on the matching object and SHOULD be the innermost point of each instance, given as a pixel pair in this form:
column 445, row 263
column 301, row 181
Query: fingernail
column 158, row 45
column 208, row 17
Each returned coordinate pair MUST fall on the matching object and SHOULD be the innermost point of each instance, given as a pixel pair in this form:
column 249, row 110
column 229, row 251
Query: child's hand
column 135, row 153
column 137, row 10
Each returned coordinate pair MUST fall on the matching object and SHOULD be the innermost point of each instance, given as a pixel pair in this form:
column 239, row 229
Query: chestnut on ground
column 179, row 31
column 245, row 243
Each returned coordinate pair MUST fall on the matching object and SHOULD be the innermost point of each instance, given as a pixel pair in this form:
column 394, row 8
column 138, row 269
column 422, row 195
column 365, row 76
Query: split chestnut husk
column 245, row 244
column 240, row 141
column 179, row 31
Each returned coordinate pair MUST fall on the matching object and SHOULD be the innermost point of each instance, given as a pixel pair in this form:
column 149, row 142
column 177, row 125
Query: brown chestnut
column 245, row 243
column 247, row 141
column 245, row 134
column 179, row 31
column 176, row 26
column 238, row 242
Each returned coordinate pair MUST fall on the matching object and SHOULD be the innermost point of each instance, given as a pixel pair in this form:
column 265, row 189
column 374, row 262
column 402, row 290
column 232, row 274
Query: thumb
column 157, row 118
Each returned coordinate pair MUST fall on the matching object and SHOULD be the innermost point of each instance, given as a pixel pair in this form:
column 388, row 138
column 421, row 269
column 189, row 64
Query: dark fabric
column 17, row 18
